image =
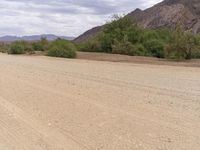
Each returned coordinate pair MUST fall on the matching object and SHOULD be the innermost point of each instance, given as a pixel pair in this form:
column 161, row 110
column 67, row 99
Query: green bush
column 37, row 46
column 196, row 53
column 140, row 50
column 149, row 35
column 134, row 34
column 196, row 50
column 114, row 31
column 124, row 47
column 4, row 47
column 155, row 48
column 41, row 45
column 106, row 41
column 62, row 48
column 18, row 47
column 90, row 46
column 127, row 48
column 164, row 35
column 183, row 45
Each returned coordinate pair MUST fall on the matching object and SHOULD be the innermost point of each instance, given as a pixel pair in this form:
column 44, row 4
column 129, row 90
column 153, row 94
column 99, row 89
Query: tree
column 181, row 45
column 117, row 30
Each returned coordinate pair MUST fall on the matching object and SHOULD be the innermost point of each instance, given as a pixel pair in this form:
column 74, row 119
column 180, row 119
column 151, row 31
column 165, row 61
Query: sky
column 61, row 17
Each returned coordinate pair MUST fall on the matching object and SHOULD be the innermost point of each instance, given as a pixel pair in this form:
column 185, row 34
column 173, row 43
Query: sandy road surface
column 57, row 104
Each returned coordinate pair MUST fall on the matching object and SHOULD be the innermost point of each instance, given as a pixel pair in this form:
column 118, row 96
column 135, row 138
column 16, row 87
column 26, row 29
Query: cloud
column 61, row 17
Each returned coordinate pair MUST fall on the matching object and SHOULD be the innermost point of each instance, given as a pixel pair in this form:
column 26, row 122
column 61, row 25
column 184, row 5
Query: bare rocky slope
column 168, row 13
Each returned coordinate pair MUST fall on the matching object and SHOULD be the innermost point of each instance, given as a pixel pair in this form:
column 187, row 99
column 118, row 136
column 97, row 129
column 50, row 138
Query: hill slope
column 168, row 13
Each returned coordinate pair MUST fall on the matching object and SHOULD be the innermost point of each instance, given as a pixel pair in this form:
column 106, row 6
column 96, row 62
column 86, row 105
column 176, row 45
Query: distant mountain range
column 50, row 37
column 168, row 13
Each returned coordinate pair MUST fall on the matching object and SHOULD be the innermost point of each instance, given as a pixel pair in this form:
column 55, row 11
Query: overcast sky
column 61, row 17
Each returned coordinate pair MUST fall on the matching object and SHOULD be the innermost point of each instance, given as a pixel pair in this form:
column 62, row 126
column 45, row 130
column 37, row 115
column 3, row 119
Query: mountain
column 168, row 13
column 88, row 34
column 49, row 37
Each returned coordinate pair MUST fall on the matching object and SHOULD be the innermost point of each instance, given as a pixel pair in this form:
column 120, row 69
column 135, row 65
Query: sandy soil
column 136, row 59
column 59, row 104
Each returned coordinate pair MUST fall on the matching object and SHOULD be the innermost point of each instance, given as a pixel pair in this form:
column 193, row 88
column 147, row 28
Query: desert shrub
column 155, row 47
column 123, row 36
column 124, row 47
column 191, row 47
column 90, row 46
column 183, row 45
column 114, row 31
column 196, row 53
column 28, row 48
column 16, row 48
column 62, row 48
column 41, row 45
column 37, row 46
column 106, row 41
column 140, row 50
column 4, row 47
column 134, row 34
column 127, row 48
column 148, row 35
column 118, row 27
column 19, row 47
column 196, row 50
column 197, row 38
column 164, row 34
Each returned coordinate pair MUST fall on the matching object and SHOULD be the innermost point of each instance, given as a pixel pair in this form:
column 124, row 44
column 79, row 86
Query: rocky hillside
column 168, row 13
column 88, row 34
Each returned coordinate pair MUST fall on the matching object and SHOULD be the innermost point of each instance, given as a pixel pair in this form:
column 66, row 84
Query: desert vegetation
column 62, row 48
column 57, row 48
column 123, row 36
column 120, row 36
column 4, row 48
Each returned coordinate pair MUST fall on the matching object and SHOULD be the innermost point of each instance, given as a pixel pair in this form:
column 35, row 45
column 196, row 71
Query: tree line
column 124, row 36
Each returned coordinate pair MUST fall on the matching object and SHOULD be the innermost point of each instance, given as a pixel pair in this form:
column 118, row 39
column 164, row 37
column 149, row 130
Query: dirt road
column 59, row 104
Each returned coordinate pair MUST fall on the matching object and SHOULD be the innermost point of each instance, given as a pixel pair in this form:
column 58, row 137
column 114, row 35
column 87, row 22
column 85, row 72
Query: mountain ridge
column 50, row 37
column 168, row 13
